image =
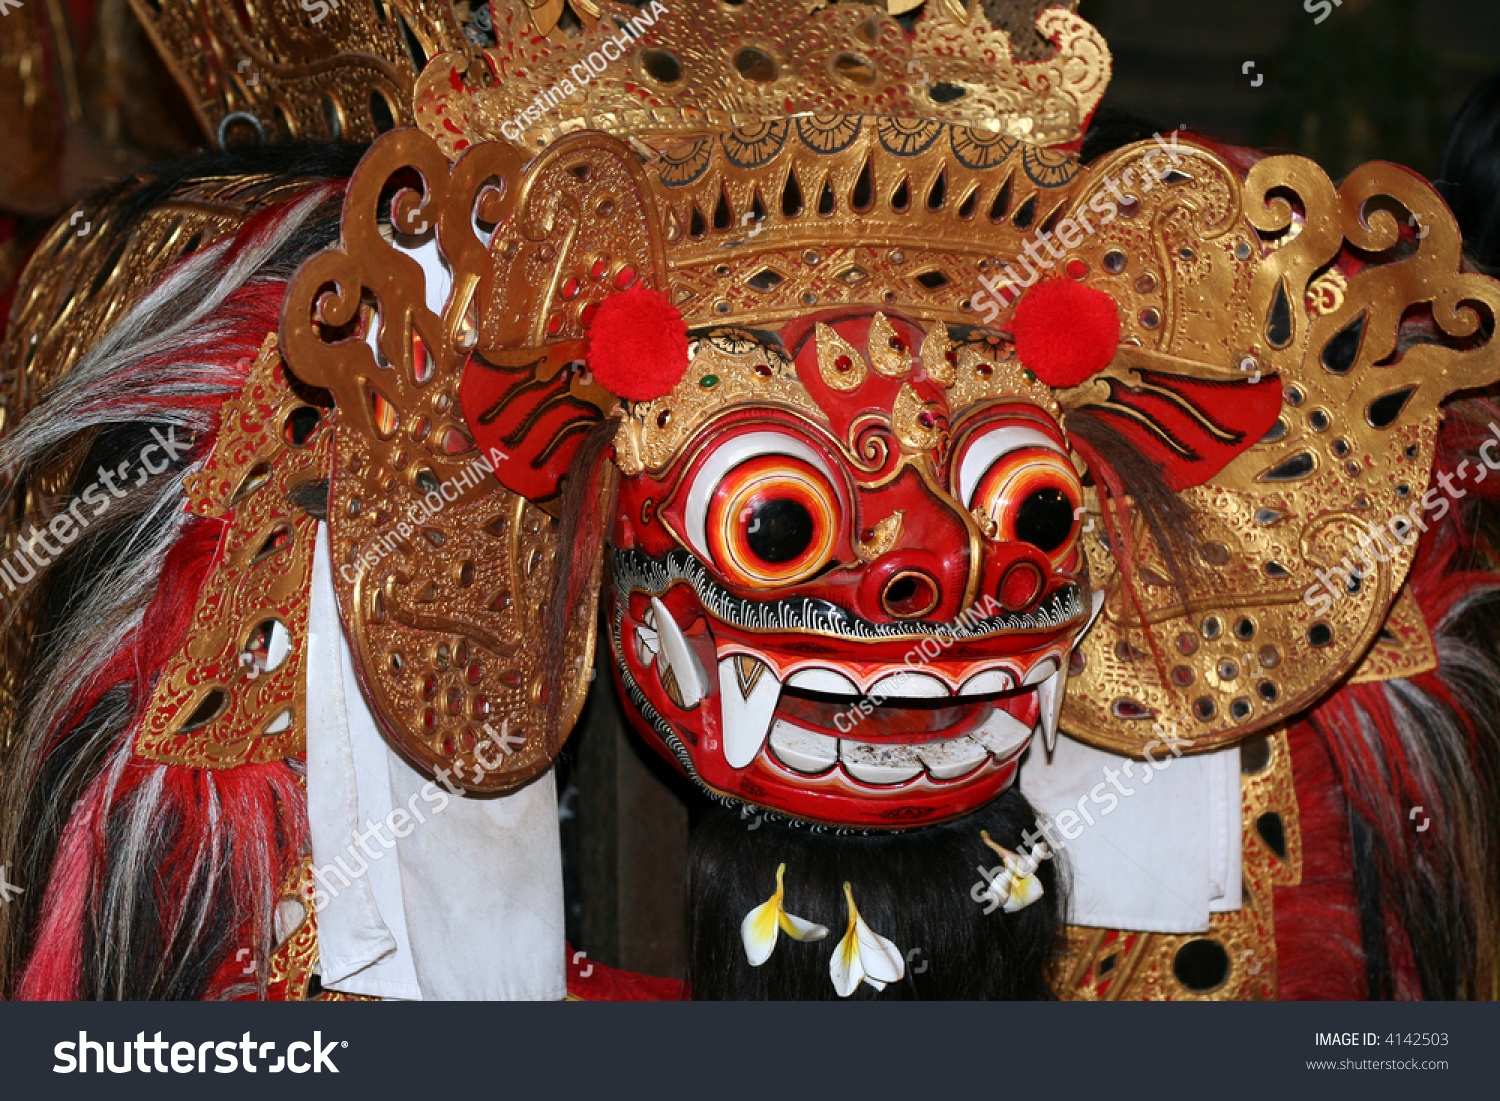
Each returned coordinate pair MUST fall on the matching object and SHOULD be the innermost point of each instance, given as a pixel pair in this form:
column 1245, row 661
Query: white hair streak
column 166, row 351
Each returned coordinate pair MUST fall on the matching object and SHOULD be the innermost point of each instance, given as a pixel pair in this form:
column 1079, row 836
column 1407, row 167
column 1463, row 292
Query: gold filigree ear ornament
column 1220, row 286
column 443, row 625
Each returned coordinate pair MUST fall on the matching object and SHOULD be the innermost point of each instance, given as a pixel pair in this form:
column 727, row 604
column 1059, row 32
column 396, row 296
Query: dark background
column 1376, row 80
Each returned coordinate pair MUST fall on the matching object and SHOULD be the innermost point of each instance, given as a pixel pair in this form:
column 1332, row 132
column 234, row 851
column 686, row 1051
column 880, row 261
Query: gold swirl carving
column 1272, row 619
column 442, row 597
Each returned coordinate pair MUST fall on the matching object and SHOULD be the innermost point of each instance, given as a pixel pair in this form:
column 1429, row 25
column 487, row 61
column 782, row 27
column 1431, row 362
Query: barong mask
column 826, row 379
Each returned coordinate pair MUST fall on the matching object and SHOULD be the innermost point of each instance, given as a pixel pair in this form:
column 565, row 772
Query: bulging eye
column 772, row 521
column 1021, row 479
column 763, row 508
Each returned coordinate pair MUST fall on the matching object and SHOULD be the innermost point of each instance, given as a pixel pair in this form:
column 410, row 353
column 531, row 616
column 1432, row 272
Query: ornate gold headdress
column 742, row 200
column 328, row 70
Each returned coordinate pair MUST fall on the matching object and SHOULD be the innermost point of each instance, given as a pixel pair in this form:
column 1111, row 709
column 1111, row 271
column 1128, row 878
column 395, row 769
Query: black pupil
column 779, row 530
column 1045, row 519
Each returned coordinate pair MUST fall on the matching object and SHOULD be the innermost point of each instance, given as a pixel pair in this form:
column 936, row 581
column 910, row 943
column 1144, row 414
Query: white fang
column 692, row 681
column 745, row 718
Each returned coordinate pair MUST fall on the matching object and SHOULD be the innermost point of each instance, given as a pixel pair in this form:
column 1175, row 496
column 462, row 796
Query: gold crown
column 350, row 69
column 767, row 222
column 662, row 76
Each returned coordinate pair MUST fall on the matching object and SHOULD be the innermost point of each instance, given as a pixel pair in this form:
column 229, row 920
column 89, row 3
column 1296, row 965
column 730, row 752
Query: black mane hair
column 1470, row 174
column 911, row 886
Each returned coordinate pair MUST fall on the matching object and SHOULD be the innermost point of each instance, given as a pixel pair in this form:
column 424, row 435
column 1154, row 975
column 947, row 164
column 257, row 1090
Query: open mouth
column 884, row 726
column 884, row 741
column 859, row 725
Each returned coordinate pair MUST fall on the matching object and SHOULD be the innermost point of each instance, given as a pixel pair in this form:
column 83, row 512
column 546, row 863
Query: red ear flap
column 529, row 411
column 1182, row 417
column 1191, row 428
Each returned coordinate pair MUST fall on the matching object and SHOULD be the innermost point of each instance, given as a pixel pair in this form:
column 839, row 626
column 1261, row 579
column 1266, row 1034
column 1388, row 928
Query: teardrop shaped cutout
column 791, row 196
column 1025, row 214
column 421, row 359
column 384, row 418
column 209, row 708
column 901, row 200
column 938, row 192
column 1001, row 206
column 1340, row 353
column 1383, row 411
column 279, row 538
column 1299, row 465
column 1279, row 323
column 256, row 477
column 863, row 196
column 825, row 200
column 723, row 216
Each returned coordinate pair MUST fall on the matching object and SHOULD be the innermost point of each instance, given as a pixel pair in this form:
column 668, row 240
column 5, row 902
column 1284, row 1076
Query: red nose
column 1014, row 575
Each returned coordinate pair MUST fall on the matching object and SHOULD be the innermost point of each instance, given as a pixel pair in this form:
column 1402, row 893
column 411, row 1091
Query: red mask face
column 859, row 617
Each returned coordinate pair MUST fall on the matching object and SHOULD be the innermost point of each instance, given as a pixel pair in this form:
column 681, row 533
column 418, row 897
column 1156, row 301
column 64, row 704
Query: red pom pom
column 1065, row 332
column 638, row 346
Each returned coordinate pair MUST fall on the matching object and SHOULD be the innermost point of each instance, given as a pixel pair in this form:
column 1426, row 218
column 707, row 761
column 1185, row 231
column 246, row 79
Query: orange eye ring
column 772, row 521
column 1033, row 495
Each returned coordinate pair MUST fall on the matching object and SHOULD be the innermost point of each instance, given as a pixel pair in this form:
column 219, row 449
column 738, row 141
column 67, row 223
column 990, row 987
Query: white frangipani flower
column 863, row 955
column 760, row 926
column 1016, row 886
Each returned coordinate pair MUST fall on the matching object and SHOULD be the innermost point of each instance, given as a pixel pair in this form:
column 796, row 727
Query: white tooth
column 692, row 681
column 909, row 685
column 950, row 759
column 1002, row 733
column 991, row 680
column 804, row 750
column 1040, row 671
column 823, row 680
column 745, row 713
column 1050, row 695
column 646, row 644
column 886, row 763
column 1094, row 614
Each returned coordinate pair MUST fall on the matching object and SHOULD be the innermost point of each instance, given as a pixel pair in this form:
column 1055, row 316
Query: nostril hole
column 1020, row 586
column 909, row 595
